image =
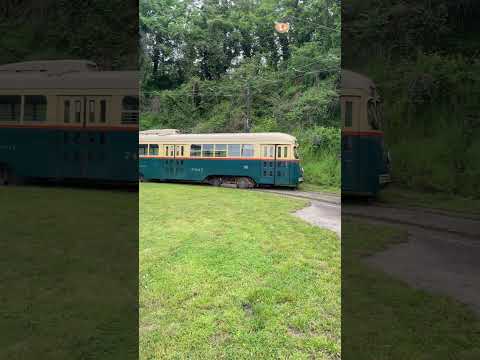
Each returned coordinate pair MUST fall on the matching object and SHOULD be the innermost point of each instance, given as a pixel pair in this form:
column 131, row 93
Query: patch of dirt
column 294, row 332
column 438, row 262
column 248, row 309
column 220, row 338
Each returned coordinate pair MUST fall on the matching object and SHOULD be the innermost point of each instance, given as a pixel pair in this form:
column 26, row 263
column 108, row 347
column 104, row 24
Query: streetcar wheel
column 245, row 183
column 216, row 181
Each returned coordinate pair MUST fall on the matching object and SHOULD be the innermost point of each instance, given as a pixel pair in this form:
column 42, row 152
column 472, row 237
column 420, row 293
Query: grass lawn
column 398, row 196
column 322, row 173
column 319, row 188
column 231, row 274
column 68, row 285
column 389, row 320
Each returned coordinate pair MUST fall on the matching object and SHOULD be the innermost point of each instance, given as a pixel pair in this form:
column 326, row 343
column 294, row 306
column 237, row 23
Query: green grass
column 383, row 318
column 322, row 171
column 67, row 286
column 398, row 196
column 319, row 188
column 231, row 274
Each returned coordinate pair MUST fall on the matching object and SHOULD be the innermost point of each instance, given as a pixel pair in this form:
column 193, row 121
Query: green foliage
column 430, row 85
column 104, row 31
column 212, row 67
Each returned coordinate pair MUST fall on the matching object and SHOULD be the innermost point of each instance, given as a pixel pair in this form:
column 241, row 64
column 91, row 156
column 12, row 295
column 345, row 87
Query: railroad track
column 321, row 197
column 424, row 218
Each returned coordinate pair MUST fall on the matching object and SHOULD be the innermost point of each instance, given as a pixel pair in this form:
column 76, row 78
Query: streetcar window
column 195, row 150
column 295, row 152
column 103, row 111
column 66, row 111
column 233, row 150
column 372, row 115
column 220, row 150
column 279, row 152
column 347, row 143
column 285, row 152
column 153, row 150
column 247, row 150
column 35, row 108
column 142, row 149
column 91, row 110
column 172, row 151
column 207, row 150
column 78, row 110
column 130, row 107
column 265, row 151
column 348, row 114
column 182, row 151
column 10, row 107
column 272, row 151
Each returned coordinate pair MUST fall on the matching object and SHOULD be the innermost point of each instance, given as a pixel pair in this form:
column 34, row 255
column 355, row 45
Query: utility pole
column 248, row 102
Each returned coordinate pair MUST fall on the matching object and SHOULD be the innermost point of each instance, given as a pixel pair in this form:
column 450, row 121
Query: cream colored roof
column 353, row 80
column 230, row 138
column 161, row 132
column 72, row 80
column 51, row 66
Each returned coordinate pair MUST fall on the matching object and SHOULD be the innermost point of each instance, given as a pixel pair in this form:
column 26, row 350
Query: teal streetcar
column 67, row 120
column 243, row 160
column 365, row 161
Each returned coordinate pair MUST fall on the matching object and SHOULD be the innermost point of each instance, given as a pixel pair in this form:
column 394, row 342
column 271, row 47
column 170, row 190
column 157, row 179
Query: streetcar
column 243, row 160
column 365, row 160
column 65, row 119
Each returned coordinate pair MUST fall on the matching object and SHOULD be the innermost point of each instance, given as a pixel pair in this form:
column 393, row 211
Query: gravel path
column 442, row 255
column 324, row 210
column 324, row 215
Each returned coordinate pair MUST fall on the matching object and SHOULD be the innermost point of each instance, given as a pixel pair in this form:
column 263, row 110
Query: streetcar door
column 282, row 165
column 350, row 112
column 268, row 164
column 102, row 161
column 169, row 163
column 179, row 161
column 71, row 113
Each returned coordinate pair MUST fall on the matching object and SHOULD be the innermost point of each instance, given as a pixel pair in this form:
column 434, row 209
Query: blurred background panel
column 68, row 172
column 409, row 248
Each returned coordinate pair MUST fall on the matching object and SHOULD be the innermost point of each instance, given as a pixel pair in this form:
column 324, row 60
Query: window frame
column 229, row 150
column 154, row 146
column 208, row 153
column 130, row 116
column 197, row 152
column 143, row 146
column 91, row 110
column 348, row 116
column 35, row 112
column 250, row 147
column 220, row 153
column 15, row 109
